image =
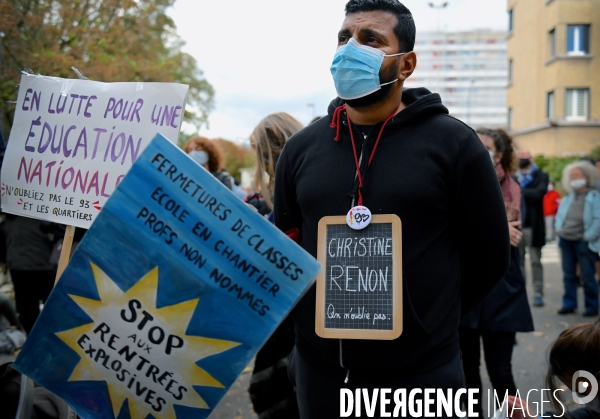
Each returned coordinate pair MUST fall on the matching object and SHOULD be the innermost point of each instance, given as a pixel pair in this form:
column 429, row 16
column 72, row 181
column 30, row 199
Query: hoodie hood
column 419, row 102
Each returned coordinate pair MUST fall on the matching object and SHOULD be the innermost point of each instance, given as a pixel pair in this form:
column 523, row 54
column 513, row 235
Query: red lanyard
column 358, row 173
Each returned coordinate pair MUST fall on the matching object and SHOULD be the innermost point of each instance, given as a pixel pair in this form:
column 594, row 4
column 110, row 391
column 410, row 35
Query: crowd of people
column 536, row 213
column 435, row 173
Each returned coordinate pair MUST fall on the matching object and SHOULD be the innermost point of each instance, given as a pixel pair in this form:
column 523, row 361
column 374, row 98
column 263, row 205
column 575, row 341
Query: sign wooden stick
column 65, row 251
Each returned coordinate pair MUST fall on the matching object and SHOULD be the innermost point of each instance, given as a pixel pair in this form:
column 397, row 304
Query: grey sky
column 265, row 56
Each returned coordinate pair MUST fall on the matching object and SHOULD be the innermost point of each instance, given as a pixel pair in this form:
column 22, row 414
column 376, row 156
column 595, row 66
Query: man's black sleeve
column 535, row 195
column 286, row 211
column 479, row 223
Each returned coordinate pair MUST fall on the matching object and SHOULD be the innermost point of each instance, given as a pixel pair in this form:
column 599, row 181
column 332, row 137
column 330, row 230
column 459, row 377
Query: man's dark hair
column 404, row 30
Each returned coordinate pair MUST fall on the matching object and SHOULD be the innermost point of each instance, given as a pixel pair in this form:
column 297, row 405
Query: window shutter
column 582, row 102
column 569, row 103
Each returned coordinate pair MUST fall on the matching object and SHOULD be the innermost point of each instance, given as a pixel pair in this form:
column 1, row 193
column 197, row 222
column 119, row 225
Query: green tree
column 236, row 157
column 108, row 40
column 595, row 153
column 554, row 166
column 250, row 159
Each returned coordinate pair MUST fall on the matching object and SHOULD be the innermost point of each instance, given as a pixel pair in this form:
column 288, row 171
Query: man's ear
column 409, row 63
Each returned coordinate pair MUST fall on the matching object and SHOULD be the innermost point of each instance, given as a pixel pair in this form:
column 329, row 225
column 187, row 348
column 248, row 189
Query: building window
column 576, row 104
column 578, row 39
column 552, row 39
column 510, row 118
column 510, row 20
column 550, row 105
column 510, row 71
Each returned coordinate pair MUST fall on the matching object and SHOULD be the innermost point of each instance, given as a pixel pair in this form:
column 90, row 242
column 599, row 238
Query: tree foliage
column 595, row 153
column 554, row 166
column 108, row 40
column 236, row 157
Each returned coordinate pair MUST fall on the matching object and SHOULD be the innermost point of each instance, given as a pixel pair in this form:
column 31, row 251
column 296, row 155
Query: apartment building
column 553, row 94
column 469, row 70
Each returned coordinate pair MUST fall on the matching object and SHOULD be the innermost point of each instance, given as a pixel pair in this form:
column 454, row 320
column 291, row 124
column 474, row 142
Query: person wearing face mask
column 574, row 359
column 209, row 155
column 578, row 228
column 271, row 393
column 394, row 151
column 267, row 140
column 534, row 185
column 505, row 310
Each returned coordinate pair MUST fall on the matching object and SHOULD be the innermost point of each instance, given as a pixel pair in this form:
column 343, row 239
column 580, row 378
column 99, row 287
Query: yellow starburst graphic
column 141, row 351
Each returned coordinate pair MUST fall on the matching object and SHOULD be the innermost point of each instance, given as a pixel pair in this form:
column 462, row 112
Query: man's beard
column 380, row 95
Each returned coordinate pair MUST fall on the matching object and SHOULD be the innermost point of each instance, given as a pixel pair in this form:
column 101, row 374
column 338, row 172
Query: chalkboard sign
column 359, row 292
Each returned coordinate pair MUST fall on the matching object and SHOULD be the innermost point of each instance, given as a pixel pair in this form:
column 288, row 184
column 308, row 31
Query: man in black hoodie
column 428, row 168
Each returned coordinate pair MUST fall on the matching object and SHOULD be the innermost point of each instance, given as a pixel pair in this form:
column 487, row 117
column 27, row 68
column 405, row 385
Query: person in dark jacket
column 418, row 163
column 534, row 185
column 209, row 155
column 505, row 310
column 28, row 258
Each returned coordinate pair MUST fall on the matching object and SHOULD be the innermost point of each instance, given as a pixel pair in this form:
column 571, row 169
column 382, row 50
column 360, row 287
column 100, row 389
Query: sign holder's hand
column 515, row 234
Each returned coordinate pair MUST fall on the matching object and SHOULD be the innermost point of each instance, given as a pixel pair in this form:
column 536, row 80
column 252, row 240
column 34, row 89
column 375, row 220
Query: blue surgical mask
column 355, row 70
column 201, row 157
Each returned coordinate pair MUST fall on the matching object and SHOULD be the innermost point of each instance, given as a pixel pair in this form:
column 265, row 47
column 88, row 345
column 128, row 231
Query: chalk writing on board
column 359, row 277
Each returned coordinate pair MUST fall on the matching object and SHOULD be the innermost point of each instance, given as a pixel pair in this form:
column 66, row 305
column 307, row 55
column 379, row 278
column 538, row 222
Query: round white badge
column 358, row 217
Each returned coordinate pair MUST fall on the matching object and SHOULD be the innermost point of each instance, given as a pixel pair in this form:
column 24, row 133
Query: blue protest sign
column 171, row 293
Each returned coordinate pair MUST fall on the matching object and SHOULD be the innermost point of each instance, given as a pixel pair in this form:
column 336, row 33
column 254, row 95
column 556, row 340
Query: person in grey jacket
column 578, row 228
column 29, row 247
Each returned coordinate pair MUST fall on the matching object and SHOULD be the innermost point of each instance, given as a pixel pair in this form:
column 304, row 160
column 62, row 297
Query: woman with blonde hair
column 271, row 392
column 209, row 155
column 268, row 139
column 577, row 225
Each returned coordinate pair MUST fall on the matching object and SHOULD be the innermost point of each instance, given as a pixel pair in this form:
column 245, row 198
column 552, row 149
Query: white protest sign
column 72, row 141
